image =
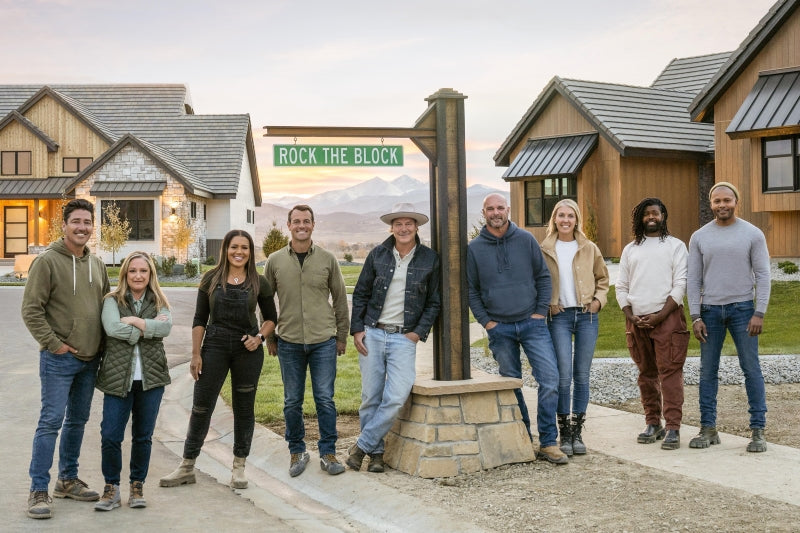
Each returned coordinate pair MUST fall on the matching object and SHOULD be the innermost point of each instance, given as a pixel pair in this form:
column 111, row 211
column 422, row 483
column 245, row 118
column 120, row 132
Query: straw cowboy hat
column 404, row 210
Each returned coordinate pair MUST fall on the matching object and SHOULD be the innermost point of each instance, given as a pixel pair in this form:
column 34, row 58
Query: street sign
column 327, row 155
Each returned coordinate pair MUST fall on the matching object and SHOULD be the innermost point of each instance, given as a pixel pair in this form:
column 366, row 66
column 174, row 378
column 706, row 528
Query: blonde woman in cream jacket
column 580, row 286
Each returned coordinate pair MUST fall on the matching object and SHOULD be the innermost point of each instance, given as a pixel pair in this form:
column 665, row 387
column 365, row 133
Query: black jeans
column 223, row 351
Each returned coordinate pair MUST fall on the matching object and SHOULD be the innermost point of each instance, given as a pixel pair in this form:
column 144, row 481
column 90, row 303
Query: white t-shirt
column 565, row 251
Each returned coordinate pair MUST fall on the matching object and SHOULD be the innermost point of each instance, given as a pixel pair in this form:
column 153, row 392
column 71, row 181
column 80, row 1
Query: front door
column 15, row 230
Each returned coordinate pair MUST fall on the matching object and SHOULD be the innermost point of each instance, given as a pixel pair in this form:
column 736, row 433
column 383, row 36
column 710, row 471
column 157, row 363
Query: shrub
column 348, row 258
column 190, row 269
column 168, row 265
column 211, row 260
column 790, row 268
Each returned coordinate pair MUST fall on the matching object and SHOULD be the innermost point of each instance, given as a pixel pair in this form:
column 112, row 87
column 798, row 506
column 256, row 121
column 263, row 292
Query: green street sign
column 327, row 155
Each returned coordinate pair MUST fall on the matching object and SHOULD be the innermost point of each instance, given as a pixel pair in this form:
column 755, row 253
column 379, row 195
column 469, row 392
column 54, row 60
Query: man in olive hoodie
column 61, row 308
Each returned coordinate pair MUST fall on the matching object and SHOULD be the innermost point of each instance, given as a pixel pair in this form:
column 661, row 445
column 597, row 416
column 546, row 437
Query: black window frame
column 193, row 209
column 794, row 157
column 142, row 225
column 16, row 162
column 81, row 167
column 555, row 185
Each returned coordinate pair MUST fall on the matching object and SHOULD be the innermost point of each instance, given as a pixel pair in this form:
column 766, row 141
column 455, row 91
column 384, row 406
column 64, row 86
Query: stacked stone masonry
column 444, row 433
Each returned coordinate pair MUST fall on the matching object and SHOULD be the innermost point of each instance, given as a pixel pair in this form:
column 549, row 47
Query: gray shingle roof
column 690, row 74
column 206, row 151
column 552, row 156
column 773, row 104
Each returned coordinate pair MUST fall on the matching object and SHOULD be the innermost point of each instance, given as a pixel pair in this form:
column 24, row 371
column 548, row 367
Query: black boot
column 578, row 447
column 565, row 431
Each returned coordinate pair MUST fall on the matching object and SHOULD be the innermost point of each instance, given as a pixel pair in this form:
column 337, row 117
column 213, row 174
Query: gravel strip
column 613, row 380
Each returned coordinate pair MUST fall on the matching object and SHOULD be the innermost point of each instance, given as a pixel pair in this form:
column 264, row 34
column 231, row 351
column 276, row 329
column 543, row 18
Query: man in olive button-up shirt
column 310, row 334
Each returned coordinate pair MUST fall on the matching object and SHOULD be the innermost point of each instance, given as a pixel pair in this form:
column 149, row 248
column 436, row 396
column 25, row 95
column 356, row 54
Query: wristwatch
column 260, row 336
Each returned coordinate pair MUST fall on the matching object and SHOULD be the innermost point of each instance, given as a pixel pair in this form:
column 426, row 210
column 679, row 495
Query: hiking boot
column 376, row 463
column 330, row 464
column 355, row 457
column 565, row 434
column 651, row 433
column 706, row 437
column 578, row 447
column 298, row 463
column 110, row 499
column 75, row 489
column 183, row 475
column 136, row 495
column 238, row 479
column 672, row 440
column 552, row 454
column 39, row 504
column 757, row 443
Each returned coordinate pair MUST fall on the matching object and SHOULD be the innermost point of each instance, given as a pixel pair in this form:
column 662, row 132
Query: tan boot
column 238, row 481
column 183, row 475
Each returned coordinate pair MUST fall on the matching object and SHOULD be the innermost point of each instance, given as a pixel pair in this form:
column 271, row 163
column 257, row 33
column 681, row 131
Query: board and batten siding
column 739, row 161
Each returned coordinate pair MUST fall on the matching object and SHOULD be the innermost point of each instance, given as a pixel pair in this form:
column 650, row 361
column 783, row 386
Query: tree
column 476, row 228
column 590, row 223
column 348, row 257
column 183, row 235
column 114, row 230
column 275, row 240
column 54, row 229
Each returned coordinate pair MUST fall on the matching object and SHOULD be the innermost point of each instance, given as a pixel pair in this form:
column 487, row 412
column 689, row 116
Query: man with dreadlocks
column 650, row 290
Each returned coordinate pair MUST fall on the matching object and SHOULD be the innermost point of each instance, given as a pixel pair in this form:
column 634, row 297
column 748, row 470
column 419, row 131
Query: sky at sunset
column 362, row 63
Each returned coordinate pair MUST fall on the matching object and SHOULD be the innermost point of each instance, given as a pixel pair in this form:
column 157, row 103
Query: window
column 15, row 163
column 140, row 215
column 193, row 209
column 781, row 164
column 76, row 164
column 542, row 195
column 251, row 216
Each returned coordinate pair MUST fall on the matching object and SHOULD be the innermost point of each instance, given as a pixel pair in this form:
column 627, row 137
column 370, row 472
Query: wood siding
column 739, row 161
column 15, row 137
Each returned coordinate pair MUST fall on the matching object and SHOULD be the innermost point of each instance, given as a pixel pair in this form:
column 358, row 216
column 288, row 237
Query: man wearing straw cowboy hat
column 395, row 302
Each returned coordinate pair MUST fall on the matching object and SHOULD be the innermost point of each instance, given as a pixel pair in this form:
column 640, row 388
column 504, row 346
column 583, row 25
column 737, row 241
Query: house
column 753, row 103
column 607, row 146
column 139, row 147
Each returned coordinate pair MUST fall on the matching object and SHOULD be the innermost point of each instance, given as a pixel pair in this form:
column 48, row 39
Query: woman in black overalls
column 226, row 337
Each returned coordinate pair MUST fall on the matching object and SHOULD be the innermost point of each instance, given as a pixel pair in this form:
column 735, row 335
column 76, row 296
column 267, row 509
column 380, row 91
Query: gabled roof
column 702, row 107
column 635, row 120
column 690, row 74
column 205, row 151
column 15, row 116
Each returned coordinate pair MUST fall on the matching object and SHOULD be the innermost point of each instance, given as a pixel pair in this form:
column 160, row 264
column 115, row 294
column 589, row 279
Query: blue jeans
column 733, row 318
column 573, row 367
column 504, row 341
column 67, row 389
column 387, row 375
column 142, row 406
column 320, row 359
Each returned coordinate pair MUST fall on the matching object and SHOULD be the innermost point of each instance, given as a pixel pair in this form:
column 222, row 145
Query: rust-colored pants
column 659, row 354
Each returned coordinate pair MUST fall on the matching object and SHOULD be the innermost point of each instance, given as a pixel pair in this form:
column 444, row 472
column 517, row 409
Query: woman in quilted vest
column 133, row 374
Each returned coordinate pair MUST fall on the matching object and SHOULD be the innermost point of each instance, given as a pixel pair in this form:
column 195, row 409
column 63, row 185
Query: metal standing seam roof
column 772, row 104
column 34, row 187
column 206, row 150
column 125, row 188
column 552, row 156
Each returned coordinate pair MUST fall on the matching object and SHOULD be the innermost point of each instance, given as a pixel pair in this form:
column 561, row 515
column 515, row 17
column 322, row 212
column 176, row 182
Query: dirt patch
column 601, row 493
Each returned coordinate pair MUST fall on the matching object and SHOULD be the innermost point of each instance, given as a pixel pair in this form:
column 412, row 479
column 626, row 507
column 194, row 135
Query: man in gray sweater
column 728, row 265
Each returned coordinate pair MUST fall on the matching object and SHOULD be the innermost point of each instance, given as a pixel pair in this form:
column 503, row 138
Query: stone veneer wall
column 442, row 433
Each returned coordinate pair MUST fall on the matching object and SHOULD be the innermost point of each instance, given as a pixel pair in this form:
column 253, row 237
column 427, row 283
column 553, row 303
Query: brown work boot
column 75, row 489
column 136, row 495
column 552, row 454
column 355, row 457
column 376, row 463
column 39, row 504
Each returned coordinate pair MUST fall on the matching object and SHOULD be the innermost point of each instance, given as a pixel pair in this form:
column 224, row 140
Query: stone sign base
column 449, row 428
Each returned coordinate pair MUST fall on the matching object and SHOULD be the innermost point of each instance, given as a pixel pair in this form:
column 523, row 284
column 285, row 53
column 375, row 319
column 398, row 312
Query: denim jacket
column 422, row 295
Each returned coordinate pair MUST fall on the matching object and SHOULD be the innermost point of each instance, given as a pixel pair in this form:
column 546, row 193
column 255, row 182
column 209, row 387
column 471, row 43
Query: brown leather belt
column 391, row 328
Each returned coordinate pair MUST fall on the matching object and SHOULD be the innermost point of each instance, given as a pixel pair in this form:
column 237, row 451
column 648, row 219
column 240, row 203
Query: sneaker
column 706, row 437
column 757, row 443
column 330, row 464
column 355, row 457
column 672, row 440
column 136, row 496
column 298, row 463
column 75, row 489
column 39, row 504
column 552, row 454
column 110, row 499
column 376, row 463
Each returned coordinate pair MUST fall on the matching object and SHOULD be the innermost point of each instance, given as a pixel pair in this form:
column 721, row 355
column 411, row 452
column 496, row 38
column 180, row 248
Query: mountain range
column 351, row 215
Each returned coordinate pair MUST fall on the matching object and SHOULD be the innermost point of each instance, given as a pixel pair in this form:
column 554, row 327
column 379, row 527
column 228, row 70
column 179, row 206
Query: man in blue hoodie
column 509, row 294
